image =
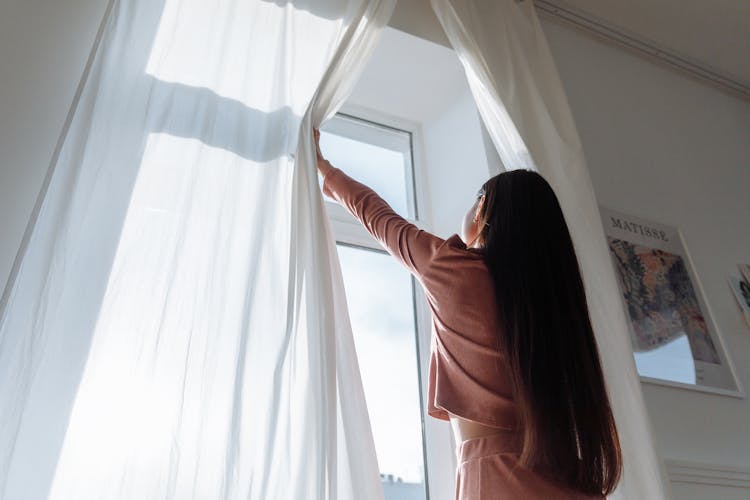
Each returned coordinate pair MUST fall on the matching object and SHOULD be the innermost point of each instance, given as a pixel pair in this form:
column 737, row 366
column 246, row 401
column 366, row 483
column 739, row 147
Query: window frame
column 436, row 436
column 343, row 225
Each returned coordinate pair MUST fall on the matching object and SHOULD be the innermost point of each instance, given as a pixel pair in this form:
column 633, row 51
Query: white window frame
column 438, row 445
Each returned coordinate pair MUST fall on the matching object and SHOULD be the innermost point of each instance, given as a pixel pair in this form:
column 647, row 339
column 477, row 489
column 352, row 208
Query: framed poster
column 674, row 340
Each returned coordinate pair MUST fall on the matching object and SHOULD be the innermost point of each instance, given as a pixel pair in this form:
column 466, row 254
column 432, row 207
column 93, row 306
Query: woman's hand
column 324, row 166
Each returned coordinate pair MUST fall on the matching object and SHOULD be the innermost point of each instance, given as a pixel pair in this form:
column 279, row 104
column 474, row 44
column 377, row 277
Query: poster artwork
column 661, row 301
column 672, row 336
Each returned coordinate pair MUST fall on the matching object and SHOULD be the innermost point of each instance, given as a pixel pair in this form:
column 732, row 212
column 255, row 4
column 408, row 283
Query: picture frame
column 674, row 337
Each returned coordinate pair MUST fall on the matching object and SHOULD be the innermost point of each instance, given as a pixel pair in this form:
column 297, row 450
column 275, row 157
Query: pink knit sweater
column 468, row 373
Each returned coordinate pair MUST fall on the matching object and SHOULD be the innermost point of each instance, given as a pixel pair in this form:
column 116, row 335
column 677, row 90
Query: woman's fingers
column 323, row 165
column 316, row 134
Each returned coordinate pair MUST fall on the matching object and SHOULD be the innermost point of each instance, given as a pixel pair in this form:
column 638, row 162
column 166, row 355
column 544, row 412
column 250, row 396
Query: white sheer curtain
column 175, row 325
column 519, row 95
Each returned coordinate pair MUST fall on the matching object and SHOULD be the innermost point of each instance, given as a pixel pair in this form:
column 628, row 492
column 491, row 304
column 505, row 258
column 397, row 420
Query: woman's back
column 469, row 373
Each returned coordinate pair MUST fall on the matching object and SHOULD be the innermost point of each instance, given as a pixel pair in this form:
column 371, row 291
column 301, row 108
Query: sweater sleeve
column 412, row 246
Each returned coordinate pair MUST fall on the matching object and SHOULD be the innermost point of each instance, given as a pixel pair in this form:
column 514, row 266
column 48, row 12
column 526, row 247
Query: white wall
column 43, row 50
column 662, row 146
column 454, row 154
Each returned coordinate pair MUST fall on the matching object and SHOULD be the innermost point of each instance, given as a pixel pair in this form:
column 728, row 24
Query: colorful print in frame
column 673, row 338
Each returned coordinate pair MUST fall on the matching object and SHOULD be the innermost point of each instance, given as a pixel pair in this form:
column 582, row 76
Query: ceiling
column 707, row 38
column 712, row 35
column 716, row 32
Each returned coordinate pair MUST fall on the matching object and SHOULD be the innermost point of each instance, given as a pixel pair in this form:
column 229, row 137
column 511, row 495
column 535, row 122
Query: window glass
column 376, row 156
column 379, row 294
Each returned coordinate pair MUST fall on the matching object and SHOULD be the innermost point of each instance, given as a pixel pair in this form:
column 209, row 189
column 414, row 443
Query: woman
column 514, row 364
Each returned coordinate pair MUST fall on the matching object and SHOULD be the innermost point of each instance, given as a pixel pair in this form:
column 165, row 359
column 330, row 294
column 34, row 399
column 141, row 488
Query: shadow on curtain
column 157, row 336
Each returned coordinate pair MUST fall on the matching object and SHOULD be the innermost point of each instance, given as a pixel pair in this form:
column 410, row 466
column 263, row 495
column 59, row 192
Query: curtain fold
column 522, row 102
column 175, row 324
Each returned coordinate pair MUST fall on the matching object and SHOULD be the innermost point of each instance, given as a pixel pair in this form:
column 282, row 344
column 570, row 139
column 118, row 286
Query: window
column 381, row 298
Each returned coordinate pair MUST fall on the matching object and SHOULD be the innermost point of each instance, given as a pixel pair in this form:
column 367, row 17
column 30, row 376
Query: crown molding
column 557, row 10
column 714, row 475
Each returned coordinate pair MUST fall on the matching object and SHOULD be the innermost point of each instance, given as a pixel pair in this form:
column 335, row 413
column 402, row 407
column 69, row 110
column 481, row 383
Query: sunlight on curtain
column 380, row 296
column 504, row 134
column 175, row 326
column 162, row 368
column 205, row 44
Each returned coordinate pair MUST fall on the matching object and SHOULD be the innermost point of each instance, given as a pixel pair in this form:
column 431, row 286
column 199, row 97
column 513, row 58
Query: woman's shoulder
column 456, row 245
column 454, row 263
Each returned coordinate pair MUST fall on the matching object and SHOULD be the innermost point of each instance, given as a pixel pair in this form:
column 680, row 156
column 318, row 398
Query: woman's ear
column 480, row 207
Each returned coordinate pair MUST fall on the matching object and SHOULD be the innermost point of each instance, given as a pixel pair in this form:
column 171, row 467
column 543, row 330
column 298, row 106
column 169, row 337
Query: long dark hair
column 569, row 430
